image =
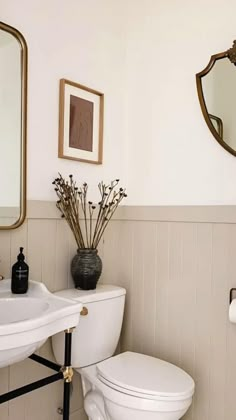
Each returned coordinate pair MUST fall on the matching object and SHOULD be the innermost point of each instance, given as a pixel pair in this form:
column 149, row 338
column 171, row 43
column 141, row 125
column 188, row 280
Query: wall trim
column 187, row 214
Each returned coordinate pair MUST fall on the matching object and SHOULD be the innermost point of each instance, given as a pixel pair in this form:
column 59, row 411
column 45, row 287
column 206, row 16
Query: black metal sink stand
column 63, row 372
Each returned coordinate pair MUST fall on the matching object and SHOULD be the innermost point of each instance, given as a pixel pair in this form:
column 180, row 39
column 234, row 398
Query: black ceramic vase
column 86, row 268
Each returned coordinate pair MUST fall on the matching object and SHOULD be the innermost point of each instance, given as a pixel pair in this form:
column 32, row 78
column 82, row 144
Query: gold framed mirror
column 216, row 87
column 13, row 120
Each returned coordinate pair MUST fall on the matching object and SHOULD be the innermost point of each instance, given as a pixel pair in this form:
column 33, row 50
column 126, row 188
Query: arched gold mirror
column 216, row 86
column 13, row 92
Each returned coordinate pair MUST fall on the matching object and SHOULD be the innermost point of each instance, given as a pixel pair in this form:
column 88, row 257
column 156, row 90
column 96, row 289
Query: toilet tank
column 97, row 334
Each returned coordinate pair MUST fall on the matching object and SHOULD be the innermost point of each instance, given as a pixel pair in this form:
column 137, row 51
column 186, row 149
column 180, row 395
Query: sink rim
column 58, row 307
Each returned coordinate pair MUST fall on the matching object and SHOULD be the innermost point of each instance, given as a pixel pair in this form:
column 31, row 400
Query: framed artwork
column 80, row 123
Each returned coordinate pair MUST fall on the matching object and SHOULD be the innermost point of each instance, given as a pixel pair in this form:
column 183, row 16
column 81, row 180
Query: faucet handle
column 1, row 277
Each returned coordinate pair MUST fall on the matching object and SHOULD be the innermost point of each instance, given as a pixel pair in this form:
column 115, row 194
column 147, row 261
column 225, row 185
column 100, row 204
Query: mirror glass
column 13, row 61
column 216, row 90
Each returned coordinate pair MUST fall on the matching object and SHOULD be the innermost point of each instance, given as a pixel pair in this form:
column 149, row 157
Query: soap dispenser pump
column 20, row 275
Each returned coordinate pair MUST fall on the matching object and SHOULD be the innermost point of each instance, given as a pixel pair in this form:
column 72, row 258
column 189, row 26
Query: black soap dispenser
column 20, row 275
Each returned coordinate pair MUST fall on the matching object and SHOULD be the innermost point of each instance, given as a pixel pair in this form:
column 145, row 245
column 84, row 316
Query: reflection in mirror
column 217, row 124
column 13, row 62
column 216, row 86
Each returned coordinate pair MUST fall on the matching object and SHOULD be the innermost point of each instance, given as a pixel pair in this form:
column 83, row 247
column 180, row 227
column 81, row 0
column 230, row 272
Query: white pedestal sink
column 27, row 320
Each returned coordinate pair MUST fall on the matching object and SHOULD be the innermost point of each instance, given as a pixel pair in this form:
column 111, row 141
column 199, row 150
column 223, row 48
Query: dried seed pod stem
column 72, row 199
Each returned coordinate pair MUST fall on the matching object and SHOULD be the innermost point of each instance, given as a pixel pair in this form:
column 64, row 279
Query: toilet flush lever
column 84, row 311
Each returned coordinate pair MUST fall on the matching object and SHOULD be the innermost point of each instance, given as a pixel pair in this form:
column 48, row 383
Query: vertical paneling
column 62, row 257
column 229, row 406
column 177, row 277
column 41, row 250
column 18, row 238
column 77, row 394
column 16, row 380
column 126, row 277
column 218, row 307
column 187, row 301
column 116, row 266
column 111, row 254
column 4, row 387
column 162, row 284
column 174, row 292
column 49, row 253
column 137, row 291
column 35, row 248
column 203, row 320
column 190, row 268
column 5, row 253
column 149, row 239
column 187, row 297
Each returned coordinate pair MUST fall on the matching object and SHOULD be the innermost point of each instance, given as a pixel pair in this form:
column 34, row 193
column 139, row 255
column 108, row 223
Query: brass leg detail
column 67, row 373
column 69, row 330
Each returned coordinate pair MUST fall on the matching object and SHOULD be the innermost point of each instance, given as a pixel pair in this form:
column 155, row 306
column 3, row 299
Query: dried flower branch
column 72, row 202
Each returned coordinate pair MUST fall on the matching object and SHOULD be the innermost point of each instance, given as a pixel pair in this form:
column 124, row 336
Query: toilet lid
column 145, row 375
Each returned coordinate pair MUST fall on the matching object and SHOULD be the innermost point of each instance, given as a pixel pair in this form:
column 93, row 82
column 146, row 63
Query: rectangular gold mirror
column 13, row 117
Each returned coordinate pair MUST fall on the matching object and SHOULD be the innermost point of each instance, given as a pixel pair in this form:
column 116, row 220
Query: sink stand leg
column 67, row 373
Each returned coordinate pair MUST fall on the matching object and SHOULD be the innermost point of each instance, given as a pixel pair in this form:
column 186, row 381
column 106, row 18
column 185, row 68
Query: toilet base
column 117, row 412
column 99, row 408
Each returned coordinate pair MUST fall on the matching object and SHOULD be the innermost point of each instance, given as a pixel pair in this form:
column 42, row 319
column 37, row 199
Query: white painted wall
column 156, row 139
column 82, row 41
column 172, row 156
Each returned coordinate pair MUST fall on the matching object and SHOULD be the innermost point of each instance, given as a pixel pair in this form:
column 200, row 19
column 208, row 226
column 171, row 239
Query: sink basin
column 26, row 321
column 18, row 310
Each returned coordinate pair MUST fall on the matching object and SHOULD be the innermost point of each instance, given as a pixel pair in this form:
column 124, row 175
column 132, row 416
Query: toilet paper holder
column 231, row 293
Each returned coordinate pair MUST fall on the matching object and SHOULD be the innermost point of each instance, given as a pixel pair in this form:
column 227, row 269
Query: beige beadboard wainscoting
column 177, row 264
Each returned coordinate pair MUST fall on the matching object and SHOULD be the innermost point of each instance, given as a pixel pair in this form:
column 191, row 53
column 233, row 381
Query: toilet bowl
column 128, row 386
column 136, row 387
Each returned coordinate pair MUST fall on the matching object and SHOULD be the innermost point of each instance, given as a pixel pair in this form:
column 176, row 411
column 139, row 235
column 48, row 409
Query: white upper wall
column 173, row 158
column 82, row 41
column 155, row 139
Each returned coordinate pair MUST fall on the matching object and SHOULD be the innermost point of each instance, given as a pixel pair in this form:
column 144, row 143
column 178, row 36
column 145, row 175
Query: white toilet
column 129, row 386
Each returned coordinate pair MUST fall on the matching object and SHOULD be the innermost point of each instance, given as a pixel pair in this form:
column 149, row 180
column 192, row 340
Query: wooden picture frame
column 80, row 123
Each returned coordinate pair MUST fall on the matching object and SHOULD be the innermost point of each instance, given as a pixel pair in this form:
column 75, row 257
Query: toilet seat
column 145, row 377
